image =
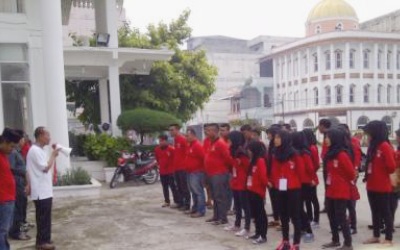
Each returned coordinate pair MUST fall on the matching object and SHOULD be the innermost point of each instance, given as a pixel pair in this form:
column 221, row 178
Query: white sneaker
column 242, row 233
column 232, row 228
column 314, row 224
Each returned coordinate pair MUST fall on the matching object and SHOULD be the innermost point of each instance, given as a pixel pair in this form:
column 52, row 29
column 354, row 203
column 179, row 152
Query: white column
column 106, row 20
column 115, row 98
column 53, row 62
column 104, row 101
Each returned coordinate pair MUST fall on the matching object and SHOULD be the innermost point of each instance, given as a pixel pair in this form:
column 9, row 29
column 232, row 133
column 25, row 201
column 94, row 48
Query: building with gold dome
column 337, row 71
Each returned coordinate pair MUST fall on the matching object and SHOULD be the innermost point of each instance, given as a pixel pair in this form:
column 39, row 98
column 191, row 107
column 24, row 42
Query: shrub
column 74, row 176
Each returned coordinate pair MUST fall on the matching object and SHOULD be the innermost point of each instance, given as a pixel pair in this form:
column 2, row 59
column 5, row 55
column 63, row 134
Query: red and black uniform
column 240, row 169
column 180, row 173
column 165, row 157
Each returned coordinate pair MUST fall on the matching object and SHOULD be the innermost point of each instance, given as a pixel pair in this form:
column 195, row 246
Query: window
column 318, row 29
column 389, row 60
column 389, row 93
column 352, row 59
column 338, row 57
column 328, row 60
column 366, row 93
column 366, row 59
column 315, row 62
column 389, row 123
column 12, row 6
column 339, row 94
column 306, row 97
column 352, row 92
column 398, row 61
column 308, row 124
column 327, row 95
column 267, row 100
column 305, row 65
column 398, row 93
column 316, row 100
column 379, row 59
column 296, row 67
column 362, row 121
column 379, row 93
column 339, row 27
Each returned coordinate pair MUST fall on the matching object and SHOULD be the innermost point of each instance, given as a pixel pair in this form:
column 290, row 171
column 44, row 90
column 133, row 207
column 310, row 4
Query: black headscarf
column 237, row 144
column 286, row 150
column 258, row 151
column 310, row 136
column 379, row 133
column 273, row 130
column 337, row 137
column 299, row 143
column 398, row 135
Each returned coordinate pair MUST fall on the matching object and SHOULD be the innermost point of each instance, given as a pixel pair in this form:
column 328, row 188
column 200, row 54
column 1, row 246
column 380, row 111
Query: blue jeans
column 6, row 218
column 196, row 181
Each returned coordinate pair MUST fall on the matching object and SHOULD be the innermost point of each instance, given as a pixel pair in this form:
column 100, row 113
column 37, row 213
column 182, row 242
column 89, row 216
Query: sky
column 244, row 19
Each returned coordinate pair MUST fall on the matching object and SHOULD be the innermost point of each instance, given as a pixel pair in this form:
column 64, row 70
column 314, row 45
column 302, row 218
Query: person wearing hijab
column 396, row 179
column 287, row 169
column 340, row 174
column 273, row 191
column 256, row 185
column 239, row 171
column 312, row 205
column 380, row 165
column 306, row 178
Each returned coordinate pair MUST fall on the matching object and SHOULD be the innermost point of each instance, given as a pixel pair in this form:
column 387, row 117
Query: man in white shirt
column 40, row 185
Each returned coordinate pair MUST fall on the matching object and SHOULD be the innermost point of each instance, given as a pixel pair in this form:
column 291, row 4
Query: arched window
column 398, row 93
column 362, row 121
column 308, row 124
column 316, row 97
column 366, row 58
column 398, row 61
column 352, row 92
column 339, row 94
column 389, row 93
column 293, row 125
column 327, row 60
column 389, row 59
column 379, row 59
column 305, row 62
column 338, row 57
column 366, row 93
column 318, row 29
column 352, row 59
column 389, row 123
column 379, row 93
column 327, row 95
column 315, row 55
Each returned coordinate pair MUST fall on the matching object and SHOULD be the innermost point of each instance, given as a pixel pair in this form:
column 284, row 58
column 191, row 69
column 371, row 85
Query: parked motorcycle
column 137, row 166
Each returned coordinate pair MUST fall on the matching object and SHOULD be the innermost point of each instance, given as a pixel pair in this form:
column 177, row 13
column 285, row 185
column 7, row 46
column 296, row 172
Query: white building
column 34, row 64
column 338, row 72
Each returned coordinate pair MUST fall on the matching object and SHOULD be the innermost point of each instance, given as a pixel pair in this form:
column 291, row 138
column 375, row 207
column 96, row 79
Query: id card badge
column 234, row 173
column 369, row 168
column 283, row 184
column 249, row 181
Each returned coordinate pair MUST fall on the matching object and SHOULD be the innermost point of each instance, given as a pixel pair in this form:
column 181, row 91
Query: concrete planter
column 109, row 173
column 94, row 168
column 92, row 190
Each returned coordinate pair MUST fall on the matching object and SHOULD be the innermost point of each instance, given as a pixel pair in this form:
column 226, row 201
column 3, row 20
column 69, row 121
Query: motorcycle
column 136, row 166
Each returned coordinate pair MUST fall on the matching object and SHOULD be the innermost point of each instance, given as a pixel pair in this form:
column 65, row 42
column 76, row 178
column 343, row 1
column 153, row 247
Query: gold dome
column 331, row 9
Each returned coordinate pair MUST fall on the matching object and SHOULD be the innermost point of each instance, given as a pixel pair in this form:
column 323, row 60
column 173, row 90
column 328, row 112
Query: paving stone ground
column 131, row 217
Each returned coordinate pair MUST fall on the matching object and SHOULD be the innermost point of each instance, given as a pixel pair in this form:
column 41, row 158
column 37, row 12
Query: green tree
column 145, row 121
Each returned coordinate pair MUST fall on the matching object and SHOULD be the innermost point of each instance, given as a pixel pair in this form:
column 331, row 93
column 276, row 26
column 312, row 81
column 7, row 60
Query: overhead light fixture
column 102, row 39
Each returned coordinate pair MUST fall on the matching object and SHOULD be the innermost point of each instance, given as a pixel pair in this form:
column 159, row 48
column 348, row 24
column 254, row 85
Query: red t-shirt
column 7, row 182
column 240, row 170
column 257, row 182
column 194, row 157
column 217, row 159
column 340, row 174
column 383, row 164
column 180, row 145
column 165, row 157
column 356, row 146
column 309, row 170
column 291, row 170
column 316, row 161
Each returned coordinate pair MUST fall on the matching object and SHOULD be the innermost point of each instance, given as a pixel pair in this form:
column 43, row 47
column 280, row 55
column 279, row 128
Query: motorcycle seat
column 144, row 162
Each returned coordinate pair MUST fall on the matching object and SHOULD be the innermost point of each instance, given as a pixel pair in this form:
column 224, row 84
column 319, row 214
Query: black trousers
column 305, row 196
column 168, row 182
column 43, row 220
column 183, row 188
column 241, row 203
column 312, row 204
column 21, row 203
column 274, row 196
column 219, row 191
column 380, row 210
column 394, row 202
column 290, row 207
column 336, row 210
column 351, row 206
column 258, row 212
